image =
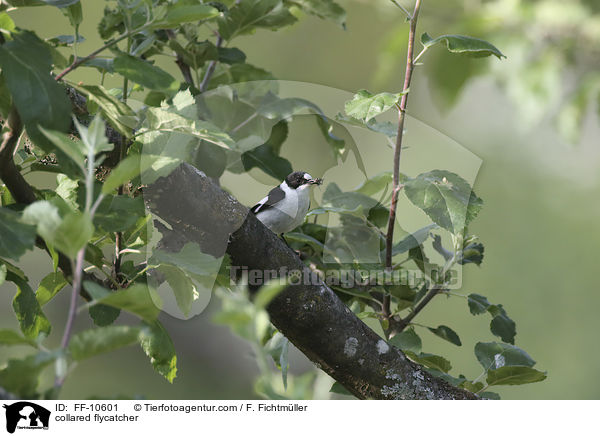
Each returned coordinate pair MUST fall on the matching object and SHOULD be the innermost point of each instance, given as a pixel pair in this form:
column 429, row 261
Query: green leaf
column 117, row 113
column 2, row 273
column 16, row 237
column 471, row 253
column 501, row 325
column 246, row 16
column 158, row 346
column 407, row 340
column 269, row 291
column 338, row 388
column 413, row 240
column 445, row 197
column 74, row 232
column 71, row 147
column 365, row 105
column 191, row 259
column 7, row 25
column 182, row 286
column 277, row 347
column 430, row 361
column 489, row 395
column 494, row 355
column 472, row 387
column 28, row 311
column 50, row 286
column 463, row 44
column 375, row 184
column 103, row 315
column 386, row 128
column 138, row 299
column 68, row 235
column 26, row 64
column 514, row 375
column 11, row 337
column 478, row 304
column 144, row 73
column 99, row 340
column 266, row 156
column 21, row 376
column 325, row 9
column 180, row 13
column 73, row 12
column 446, row 333
column 118, row 213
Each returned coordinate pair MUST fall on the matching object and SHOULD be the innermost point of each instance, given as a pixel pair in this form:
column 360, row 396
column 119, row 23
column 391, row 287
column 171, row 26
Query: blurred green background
column 532, row 119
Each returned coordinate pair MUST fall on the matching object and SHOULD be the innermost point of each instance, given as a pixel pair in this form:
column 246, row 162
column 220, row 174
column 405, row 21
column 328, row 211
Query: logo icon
column 26, row 415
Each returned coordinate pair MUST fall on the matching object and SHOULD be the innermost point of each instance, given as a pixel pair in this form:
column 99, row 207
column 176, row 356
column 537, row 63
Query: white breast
column 288, row 213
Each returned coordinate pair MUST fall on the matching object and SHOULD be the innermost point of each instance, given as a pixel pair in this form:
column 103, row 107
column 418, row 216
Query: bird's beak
column 316, row 181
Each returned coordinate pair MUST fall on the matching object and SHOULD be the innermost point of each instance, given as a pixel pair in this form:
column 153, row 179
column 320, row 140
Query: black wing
column 275, row 195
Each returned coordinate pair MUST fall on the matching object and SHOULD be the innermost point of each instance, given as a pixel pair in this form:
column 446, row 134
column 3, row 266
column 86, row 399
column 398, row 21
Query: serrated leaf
column 478, row 304
column 21, row 376
column 463, row 44
column 494, row 355
column 445, row 197
column 16, row 237
column 266, row 156
column 50, row 286
column 324, row 9
column 70, row 147
column 407, row 340
column 28, row 311
column 103, row 315
column 277, row 347
column 137, row 299
column 180, row 13
column 366, row 105
column 100, row 340
column 375, row 184
column 446, row 333
column 158, row 346
column 190, row 258
column 182, row 286
column 413, row 240
column 26, row 64
column 11, row 337
column 338, row 388
column 501, row 325
column 386, row 127
column 117, row 113
column 144, row 73
column 246, row 16
column 514, row 375
column 432, row 361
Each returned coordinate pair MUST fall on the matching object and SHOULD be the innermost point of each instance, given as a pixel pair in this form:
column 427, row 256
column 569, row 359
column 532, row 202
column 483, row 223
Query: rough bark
column 310, row 315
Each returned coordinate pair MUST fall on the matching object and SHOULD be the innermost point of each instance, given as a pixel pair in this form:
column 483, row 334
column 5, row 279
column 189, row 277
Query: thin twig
column 95, row 53
column 403, row 8
column 211, row 68
column 396, row 181
column 77, row 279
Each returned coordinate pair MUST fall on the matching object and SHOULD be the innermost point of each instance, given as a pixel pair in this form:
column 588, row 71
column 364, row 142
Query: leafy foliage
column 105, row 149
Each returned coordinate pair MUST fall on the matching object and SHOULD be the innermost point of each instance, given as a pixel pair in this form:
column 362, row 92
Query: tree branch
column 309, row 314
column 398, row 149
column 211, row 68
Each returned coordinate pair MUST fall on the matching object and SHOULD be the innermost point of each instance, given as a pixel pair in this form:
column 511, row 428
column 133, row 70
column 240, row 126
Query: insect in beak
column 316, row 181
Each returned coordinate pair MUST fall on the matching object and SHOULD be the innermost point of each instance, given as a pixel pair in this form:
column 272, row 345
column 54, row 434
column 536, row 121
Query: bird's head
column 301, row 179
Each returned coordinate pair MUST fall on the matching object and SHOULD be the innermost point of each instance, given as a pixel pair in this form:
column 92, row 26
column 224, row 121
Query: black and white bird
column 286, row 205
